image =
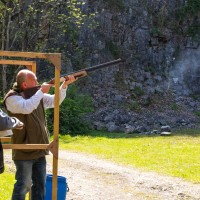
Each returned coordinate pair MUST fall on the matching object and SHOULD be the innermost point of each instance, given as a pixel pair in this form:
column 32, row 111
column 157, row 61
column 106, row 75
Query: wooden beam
column 52, row 147
column 54, row 58
column 17, row 62
column 56, row 132
column 5, row 139
column 25, row 146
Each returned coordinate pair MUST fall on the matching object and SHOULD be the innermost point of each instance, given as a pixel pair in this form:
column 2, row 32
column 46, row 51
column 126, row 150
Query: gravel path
column 90, row 178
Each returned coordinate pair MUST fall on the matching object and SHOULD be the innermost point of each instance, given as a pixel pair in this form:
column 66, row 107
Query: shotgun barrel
column 84, row 72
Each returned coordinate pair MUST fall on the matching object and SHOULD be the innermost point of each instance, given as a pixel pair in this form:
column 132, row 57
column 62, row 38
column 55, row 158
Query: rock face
column 153, row 87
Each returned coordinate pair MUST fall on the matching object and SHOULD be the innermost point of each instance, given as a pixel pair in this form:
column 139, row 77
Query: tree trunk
column 5, row 46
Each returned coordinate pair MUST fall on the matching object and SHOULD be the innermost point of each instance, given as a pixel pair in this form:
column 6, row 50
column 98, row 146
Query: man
column 7, row 123
column 31, row 164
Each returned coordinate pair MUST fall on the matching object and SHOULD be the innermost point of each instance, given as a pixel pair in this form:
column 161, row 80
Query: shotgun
column 84, row 72
column 77, row 74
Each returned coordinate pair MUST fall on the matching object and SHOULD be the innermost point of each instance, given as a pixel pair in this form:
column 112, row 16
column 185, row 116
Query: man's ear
column 24, row 85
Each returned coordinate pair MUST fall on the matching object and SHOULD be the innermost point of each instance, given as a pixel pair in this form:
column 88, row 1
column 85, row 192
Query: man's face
column 31, row 81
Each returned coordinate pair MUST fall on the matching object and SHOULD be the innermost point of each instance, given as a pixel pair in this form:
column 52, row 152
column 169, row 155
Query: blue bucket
column 62, row 188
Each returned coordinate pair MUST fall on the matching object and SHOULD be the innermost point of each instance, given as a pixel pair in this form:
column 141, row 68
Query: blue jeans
column 30, row 174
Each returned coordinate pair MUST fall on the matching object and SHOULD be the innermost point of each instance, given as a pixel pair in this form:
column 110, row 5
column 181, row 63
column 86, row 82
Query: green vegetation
column 44, row 26
column 150, row 68
column 72, row 112
column 197, row 113
column 138, row 91
column 155, row 32
column 115, row 4
column 174, row 106
column 113, row 49
column 177, row 155
column 6, row 185
column 134, row 105
column 190, row 11
column 191, row 8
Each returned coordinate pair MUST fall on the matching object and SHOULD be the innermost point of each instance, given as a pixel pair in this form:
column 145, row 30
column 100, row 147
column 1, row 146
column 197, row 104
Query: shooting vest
column 34, row 132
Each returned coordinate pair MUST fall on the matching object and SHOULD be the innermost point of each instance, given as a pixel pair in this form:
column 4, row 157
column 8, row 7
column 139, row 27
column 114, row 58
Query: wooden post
column 56, row 132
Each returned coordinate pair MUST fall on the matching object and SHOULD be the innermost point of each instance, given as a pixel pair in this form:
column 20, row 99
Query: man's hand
column 19, row 126
column 70, row 79
column 45, row 87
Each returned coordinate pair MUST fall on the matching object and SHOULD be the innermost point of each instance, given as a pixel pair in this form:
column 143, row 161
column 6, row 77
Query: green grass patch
column 7, row 180
column 6, row 185
column 176, row 155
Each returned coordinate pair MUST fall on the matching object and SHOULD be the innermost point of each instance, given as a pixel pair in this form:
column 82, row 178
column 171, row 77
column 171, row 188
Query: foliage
column 176, row 155
column 174, row 106
column 72, row 112
column 191, row 8
column 155, row 32
column 197, row 113
column 42, row 19
column 113, row 49
column 134, row 106
column 138, row 91
column 45, row 26
column 189, row 13
column 115, row 4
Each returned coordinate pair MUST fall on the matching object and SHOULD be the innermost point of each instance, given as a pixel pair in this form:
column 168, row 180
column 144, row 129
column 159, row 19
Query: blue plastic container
column 62, row 188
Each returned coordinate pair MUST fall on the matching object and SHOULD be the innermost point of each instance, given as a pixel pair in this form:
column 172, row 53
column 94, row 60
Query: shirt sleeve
column 17, row 104
column 7, row 122
column 49, row 99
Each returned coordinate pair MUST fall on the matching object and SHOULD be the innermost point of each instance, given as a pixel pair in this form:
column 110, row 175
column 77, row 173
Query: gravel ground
column 90, row 178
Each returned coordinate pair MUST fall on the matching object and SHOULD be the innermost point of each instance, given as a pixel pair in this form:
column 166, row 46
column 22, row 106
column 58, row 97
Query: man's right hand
column 45, row 87
column 19, row 126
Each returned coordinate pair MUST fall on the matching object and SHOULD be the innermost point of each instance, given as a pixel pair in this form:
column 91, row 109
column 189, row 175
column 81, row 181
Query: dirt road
column 90, row 178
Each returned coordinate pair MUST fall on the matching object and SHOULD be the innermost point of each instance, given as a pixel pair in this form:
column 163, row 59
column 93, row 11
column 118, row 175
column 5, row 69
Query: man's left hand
column 70, row 79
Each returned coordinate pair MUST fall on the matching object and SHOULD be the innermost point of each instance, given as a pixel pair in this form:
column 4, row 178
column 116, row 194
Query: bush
column 72, row 111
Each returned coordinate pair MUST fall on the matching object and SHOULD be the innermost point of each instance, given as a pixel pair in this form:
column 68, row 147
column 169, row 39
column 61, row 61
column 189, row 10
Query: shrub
column 72, row 112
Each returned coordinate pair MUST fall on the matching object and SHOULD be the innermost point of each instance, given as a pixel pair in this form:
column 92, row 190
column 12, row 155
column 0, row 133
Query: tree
column 40, row 25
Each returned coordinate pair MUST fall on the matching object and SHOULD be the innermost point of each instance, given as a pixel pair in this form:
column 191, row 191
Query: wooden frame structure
column 55, row 59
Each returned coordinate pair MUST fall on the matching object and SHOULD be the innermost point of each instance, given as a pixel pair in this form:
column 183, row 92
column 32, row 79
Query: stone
column 165, row 128
column 165, row 133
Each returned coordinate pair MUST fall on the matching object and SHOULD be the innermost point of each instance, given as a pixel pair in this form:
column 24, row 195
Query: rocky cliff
column 159, row 41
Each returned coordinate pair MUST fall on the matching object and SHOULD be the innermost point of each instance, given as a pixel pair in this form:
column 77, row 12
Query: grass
column 7, row 180
column 176, row 155
column 6, row 185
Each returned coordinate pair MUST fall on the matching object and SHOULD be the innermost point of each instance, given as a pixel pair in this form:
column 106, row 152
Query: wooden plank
column 25, row 146
column 56, row 132
column 5, row 139
column 16, row 62
column 27, row 54
column 54, row 58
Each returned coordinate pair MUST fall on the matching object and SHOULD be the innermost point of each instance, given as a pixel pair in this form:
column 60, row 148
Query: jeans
column 30, row 174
